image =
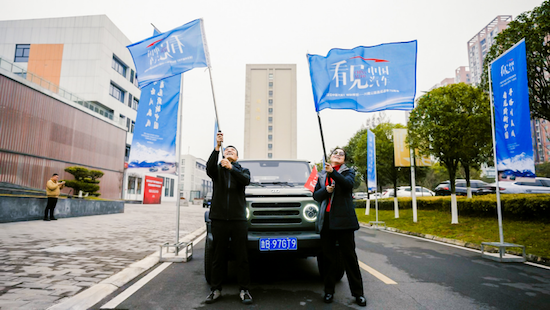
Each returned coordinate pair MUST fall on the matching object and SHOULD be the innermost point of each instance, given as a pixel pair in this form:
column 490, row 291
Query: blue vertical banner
column 371, row 161
column 154, row 142
column 365, row 79
column 514, row 147
column 170, row 53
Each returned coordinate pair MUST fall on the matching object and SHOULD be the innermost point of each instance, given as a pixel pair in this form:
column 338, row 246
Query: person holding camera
column 53, row 189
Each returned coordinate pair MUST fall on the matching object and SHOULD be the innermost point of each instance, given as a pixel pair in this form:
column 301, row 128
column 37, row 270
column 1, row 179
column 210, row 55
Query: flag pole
column 322, row 138
column 178, row 165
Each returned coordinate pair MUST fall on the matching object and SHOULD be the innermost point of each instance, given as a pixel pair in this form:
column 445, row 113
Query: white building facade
column 194, row 182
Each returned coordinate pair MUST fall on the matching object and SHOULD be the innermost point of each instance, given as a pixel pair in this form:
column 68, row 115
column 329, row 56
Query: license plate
column 278, row 244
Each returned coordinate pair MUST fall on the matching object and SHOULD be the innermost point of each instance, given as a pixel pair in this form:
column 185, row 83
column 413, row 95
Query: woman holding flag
column 337, row 223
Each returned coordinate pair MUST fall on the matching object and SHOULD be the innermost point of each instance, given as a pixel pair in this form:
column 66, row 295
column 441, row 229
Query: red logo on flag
column 312, row 180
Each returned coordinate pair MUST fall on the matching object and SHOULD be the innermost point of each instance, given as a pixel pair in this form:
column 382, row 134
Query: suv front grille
column 277, row 221
column 277, row 213
column 275, row 205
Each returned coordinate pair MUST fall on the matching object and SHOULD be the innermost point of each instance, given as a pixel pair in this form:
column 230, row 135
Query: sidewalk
column 45, row 263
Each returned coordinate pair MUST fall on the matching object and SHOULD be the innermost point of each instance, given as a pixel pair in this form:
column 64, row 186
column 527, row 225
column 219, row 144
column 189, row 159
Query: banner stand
column 501, row 245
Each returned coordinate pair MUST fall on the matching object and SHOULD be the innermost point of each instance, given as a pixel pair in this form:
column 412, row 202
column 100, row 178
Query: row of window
column 122, row 69
column 119, row 94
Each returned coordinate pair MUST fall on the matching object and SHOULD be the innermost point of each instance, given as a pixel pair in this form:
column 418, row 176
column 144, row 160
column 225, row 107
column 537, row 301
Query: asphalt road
column 425, row 275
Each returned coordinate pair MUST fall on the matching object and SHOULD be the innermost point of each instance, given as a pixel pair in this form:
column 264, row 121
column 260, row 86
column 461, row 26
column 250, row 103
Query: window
column 130, row 99
column 270, row 146
column 135, row 103
column 271, row 76
column 270, row 93
column 270, row 101
column 270, row 137
column 270, row 110
column 270, row 119
column 127, row 153
column 128, row 124
column 270, row 128
column 270, row 84
column 132, row 76
column 132, row 127
column 269, row 155
column 119, row 66
column 116, row 92
column 22, row 52
column 136, row 84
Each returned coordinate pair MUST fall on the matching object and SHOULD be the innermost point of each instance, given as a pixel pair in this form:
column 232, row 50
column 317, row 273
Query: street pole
column 413, row 181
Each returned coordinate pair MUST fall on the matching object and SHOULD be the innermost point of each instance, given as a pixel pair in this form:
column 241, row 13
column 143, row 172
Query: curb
column 530, row 257
column 99, row 291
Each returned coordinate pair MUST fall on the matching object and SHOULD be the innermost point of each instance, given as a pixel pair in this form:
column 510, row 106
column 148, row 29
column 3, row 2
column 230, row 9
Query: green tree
column 534, row 26
column 84, row 180
column 543, row 170
column 443, row 125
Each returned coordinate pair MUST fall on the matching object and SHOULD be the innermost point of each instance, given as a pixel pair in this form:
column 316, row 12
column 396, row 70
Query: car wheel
column 321, row 266
column 208, row 256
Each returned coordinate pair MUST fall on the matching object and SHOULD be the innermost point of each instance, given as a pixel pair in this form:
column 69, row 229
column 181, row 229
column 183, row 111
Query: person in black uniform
column 337, row 223
column 228, row 215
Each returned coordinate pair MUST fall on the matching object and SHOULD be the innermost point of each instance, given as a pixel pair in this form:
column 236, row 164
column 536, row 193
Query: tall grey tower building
column 270, row 112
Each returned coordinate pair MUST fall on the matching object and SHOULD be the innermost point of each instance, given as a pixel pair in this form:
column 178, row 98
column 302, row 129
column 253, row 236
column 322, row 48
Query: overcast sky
column 283, row 32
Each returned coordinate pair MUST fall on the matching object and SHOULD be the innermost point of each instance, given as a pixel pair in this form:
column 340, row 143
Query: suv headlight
column 247, row 213
column 311, row 211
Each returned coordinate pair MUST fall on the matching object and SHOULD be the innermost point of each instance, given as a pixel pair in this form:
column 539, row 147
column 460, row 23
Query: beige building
column 479, row 45
column 270, row 112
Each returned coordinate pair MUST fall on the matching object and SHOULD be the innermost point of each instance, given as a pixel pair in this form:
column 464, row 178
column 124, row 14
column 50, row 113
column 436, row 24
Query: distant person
column 228, row 216
column 337, row 223
column 53, row 189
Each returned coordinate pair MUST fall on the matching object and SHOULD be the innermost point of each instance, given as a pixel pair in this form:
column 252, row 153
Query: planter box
column 16, row 209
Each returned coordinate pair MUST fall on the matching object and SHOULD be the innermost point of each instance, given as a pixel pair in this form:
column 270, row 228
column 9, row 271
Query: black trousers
column 52, row 202
column 346, row 245
column 222, row 231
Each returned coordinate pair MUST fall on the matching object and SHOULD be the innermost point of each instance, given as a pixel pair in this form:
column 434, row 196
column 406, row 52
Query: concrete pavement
column 47, row 263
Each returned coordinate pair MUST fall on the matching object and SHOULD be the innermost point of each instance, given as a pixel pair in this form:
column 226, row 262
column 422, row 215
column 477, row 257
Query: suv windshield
column 288, row 173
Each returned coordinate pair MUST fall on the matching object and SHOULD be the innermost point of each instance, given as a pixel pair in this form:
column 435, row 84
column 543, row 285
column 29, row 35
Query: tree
column 443, row 125
column 534, row 26
column 84, row 180
column 543, row 170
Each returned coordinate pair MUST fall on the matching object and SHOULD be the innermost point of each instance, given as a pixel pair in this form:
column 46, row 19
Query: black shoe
column 46, row 219
column 246, row 298
column 328, row 298
column 53, row 219
column 361, row 301
column 213, row 296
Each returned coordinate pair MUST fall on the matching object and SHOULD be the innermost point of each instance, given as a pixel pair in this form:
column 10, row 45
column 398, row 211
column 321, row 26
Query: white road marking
column 375, row 273
column 113, row 303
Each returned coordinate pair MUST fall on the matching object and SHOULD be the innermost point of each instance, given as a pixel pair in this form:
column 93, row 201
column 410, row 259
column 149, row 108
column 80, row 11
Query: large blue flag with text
column 154, row 142
column 170, row 53
column 514, row 148
column 365, row 79
column 371, row 161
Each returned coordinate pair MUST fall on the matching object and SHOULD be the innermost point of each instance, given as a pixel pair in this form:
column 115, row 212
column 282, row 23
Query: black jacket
column 342, row 210
column 228, row 200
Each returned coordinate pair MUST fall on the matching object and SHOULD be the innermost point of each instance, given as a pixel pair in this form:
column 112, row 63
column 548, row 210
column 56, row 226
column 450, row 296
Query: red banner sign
column 153, row 190
column 312, row 180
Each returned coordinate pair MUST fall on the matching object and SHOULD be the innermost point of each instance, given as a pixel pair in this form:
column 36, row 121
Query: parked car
column 539, row 186
column 360, row 195
column 477, row 186
column 405, row 191
column 207, row 201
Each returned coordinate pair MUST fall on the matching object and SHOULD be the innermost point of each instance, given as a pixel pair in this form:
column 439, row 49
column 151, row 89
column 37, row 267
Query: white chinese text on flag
column 371, row 161
column 365, row 79
column 170, row 53
column 154, row 141
column 514, row 149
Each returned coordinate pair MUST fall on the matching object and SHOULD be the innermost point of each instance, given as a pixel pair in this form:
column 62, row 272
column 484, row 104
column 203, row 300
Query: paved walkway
column 45, row 263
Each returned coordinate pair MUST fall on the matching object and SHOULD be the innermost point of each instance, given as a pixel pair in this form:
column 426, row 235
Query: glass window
column 270, row 84
column 132, row 76
column 138, row 188
column 135, row 103
column 119, row 66
column 269, row 155
column 270, row 128
column 132, row 127
column 271, row 76
column 130, row 100
column 116, row 92
column 271, row 93
column 270, row 146
column 22, row 52
column 172, row 187
column 131, row 185
column 270, row 101
column 128, row 124
column 270, row 119
column 270, row 110
column 270, row 137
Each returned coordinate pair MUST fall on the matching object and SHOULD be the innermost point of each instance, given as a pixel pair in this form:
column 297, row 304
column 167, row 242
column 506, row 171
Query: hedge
column 515, row 206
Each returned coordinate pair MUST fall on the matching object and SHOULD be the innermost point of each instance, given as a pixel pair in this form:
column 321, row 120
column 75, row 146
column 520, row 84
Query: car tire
column 208, row 256
column 321, row 266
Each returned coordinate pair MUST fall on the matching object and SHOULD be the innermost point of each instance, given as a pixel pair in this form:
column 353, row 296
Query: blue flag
column 170, row 53
column 154, row 142
column 365, row 79
column 371, row 161
column 514, row 148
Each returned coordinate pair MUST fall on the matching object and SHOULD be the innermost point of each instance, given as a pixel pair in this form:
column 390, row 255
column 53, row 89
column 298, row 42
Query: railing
column 29, row 76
